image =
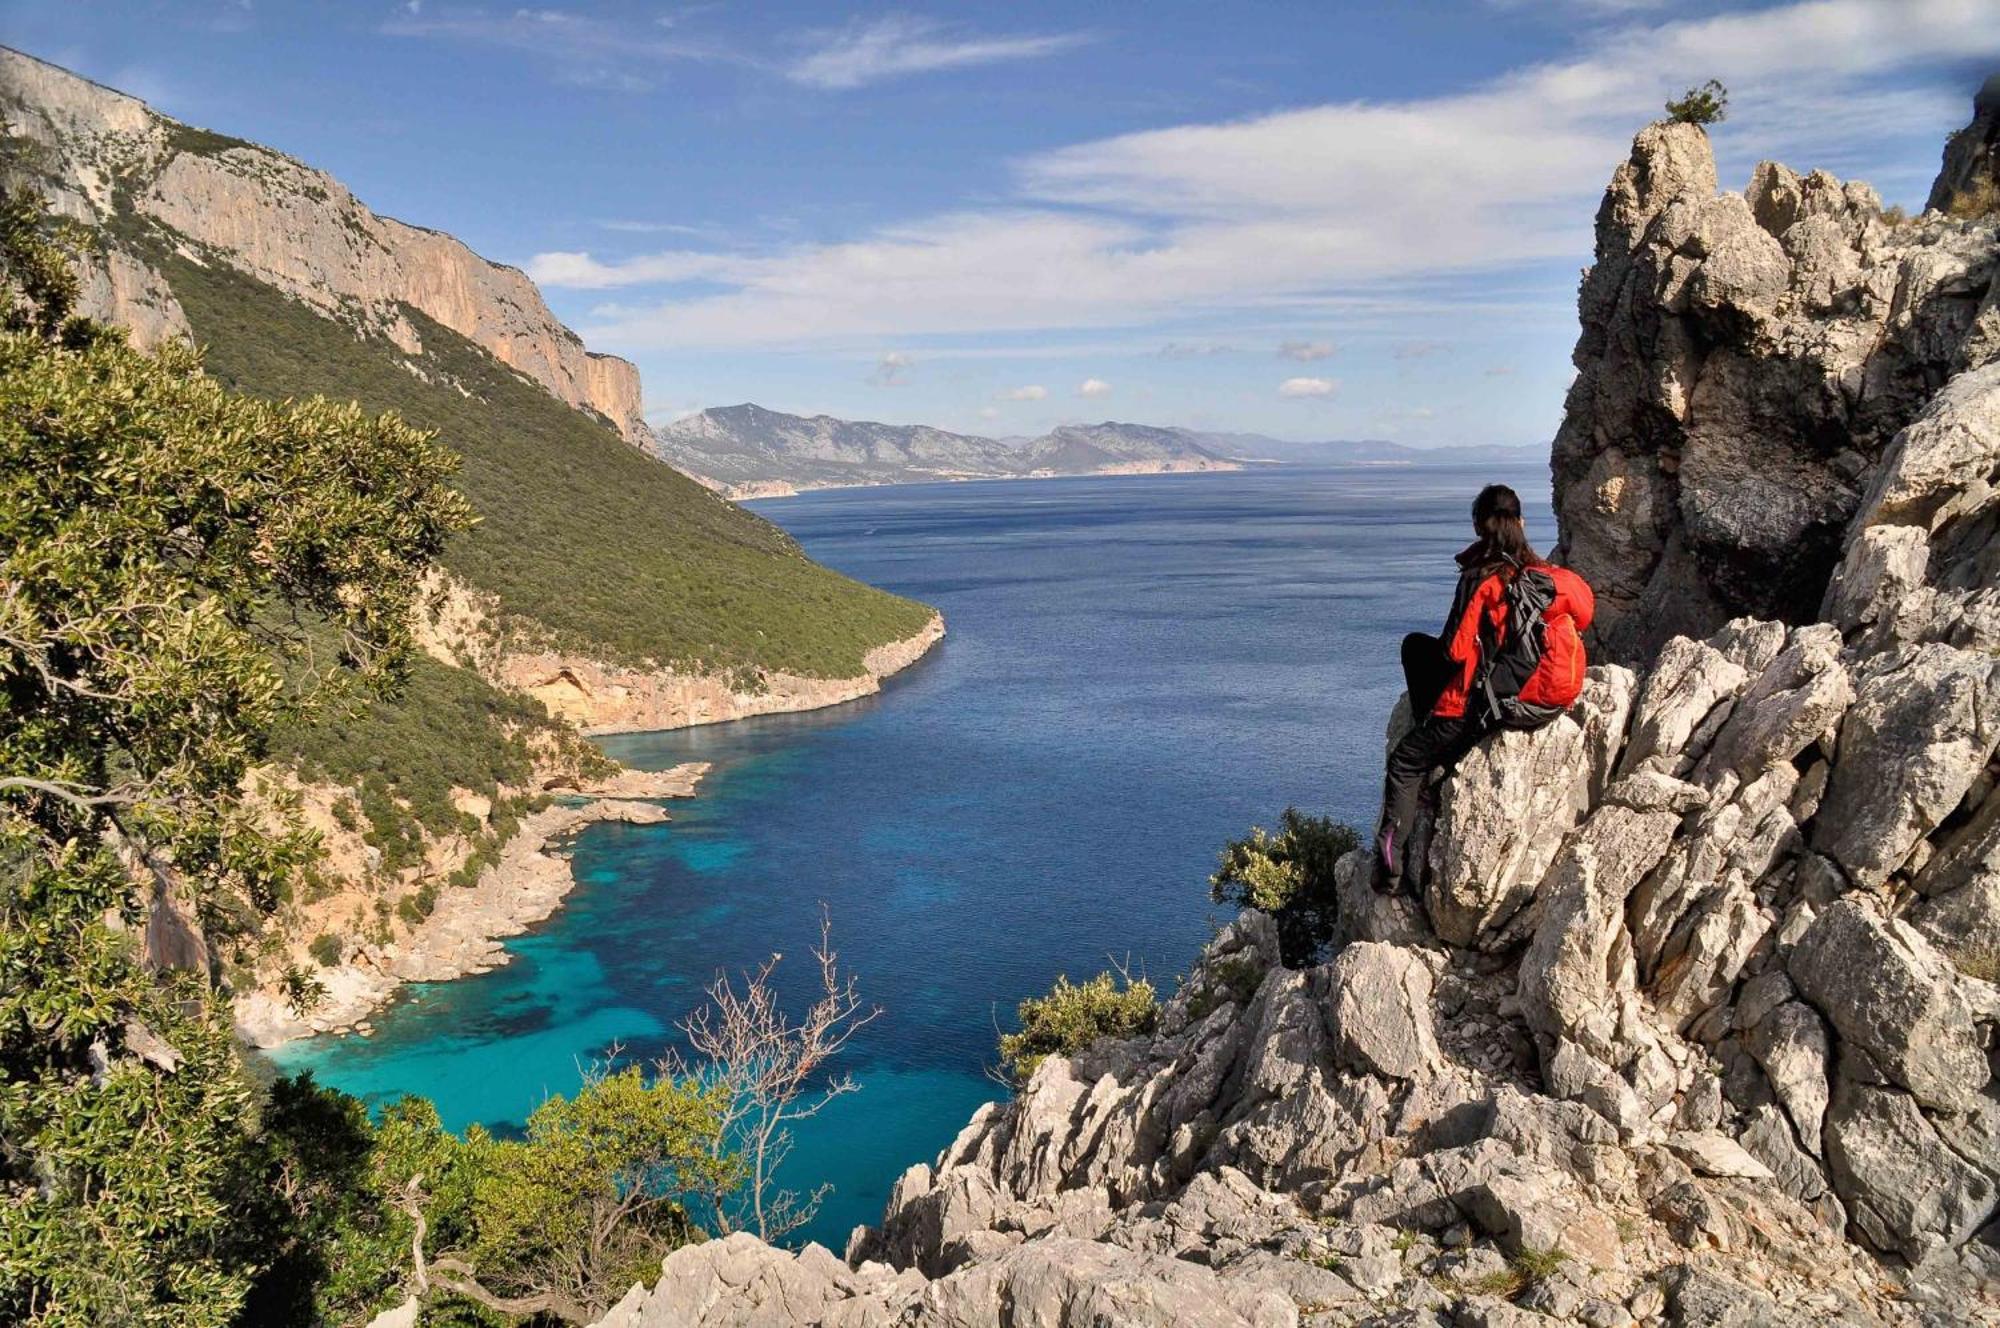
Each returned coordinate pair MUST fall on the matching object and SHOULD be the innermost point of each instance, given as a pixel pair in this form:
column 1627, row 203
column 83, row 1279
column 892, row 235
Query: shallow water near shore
column 1137, row 669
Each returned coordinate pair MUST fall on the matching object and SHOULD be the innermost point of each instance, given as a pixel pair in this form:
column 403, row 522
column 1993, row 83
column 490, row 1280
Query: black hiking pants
column 1435, row 741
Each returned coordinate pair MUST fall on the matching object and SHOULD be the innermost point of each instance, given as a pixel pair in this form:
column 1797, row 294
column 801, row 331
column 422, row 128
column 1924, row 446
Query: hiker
column 1510, row 656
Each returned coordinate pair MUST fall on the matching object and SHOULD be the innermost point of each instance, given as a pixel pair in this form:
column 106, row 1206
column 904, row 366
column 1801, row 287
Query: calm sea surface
column 1137, row 669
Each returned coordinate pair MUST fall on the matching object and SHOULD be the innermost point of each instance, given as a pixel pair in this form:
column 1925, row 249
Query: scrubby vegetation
column 1290, row 876
column 154, row 527
column 1074, row 1015
column 581, row 536
column 1976, row 201
column 405, row 751
column 198, row 141
column 1705, row 105
column 555, row 1225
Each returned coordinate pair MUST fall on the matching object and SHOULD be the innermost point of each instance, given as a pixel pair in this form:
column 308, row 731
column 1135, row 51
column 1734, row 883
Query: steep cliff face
column 1744, row 362
column 103, row 154
column 1970, row 180
column 1692, row 1017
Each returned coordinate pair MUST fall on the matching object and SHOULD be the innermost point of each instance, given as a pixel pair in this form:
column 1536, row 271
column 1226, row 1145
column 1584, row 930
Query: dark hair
column 1503, row 538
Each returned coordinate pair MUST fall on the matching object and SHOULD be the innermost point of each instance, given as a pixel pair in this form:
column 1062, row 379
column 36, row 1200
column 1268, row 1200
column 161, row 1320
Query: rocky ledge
column 1691, row 1020
column 462, row 936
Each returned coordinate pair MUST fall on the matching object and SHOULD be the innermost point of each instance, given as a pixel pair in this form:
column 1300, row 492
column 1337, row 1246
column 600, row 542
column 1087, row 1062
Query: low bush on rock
column 1705, row 105
column 1073, row 1015
column 1290, row 876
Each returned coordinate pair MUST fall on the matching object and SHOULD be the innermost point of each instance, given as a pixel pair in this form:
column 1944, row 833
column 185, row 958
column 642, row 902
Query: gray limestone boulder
column 1887, row 991
column 1066, row 1283
column 1920, row 731
column 1377, row 999
column 1908, row 1192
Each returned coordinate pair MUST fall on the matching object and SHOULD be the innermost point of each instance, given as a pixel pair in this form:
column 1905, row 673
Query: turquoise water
column 1137, row 669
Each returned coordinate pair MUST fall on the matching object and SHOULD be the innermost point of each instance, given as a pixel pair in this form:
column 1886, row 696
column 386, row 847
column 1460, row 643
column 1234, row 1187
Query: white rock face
column 1745, row 363
column 288, row 225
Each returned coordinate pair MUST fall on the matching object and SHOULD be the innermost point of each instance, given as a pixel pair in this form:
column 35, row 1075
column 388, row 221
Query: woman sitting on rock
column 1510, row 656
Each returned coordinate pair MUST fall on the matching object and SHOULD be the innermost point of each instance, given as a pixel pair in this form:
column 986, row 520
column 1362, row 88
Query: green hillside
column 613, row 553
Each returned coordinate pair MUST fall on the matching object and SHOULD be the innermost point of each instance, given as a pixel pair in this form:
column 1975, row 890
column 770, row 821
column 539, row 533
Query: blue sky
column 1358, row 220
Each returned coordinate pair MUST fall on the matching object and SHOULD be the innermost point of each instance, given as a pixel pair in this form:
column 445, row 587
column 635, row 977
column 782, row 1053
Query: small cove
column 1138, row 668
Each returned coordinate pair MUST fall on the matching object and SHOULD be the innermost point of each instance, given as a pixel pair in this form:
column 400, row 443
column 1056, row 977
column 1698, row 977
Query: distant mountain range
column 748, row 451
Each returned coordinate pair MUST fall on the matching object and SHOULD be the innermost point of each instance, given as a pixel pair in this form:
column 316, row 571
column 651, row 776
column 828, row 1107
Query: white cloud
column 892, row 369
column 1308, row 387
column 989, row 413
column 1420, row 350
column 1093, row 387
column 889, row 47
column 1306, row 210
column 1305, row 352
column 1031, row 392
column 1186, row 350
column 580, row 271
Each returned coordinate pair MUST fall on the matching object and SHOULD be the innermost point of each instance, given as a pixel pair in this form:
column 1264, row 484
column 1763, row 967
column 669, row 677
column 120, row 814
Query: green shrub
column 1705, row 105
column 326, row 949
column 415, row 907
column 1074, row 1015
column 1290, row 876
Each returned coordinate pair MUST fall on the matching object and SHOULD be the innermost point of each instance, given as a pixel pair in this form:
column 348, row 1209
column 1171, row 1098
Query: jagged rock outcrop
column 1744, row 363
column 104, row 156
column 1693, row 1018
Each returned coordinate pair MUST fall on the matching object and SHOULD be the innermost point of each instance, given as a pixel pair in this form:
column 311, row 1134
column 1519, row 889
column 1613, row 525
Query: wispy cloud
column 1031, row 392
column 898, row 45
column 631, row 227
column 1302, row 210
column 1420, row 350
column 1305, row 352
column 1308, row 387
column 1093, row 387
column 581, row 49
column 1196, row 350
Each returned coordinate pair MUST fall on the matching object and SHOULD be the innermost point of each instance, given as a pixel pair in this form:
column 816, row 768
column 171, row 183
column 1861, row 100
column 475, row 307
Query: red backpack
column 1535, row 671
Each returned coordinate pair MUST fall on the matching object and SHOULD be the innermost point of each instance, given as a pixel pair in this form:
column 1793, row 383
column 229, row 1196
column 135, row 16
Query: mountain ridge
column 747, row 450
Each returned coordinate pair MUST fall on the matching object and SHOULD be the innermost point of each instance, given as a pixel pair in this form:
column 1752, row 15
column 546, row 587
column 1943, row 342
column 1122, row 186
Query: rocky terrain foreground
column 1693, row 1020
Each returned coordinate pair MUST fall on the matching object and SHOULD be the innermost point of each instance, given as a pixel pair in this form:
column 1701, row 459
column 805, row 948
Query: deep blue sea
column 1137, row 669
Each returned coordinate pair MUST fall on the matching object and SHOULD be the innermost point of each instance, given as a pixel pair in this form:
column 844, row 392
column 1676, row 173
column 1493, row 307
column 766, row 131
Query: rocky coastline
column 462, row 936
column 605, row 698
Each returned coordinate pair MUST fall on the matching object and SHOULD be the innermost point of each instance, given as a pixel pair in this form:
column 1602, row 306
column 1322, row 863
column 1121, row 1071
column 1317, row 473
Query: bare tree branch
column 772, row 1073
